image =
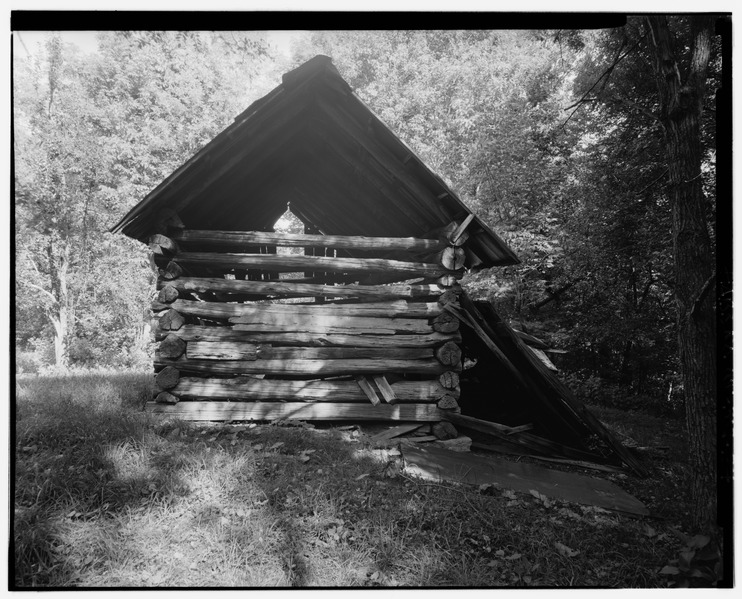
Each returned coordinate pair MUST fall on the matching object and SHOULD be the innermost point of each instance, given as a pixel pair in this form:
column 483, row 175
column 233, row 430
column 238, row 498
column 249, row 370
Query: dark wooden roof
column 313, row 143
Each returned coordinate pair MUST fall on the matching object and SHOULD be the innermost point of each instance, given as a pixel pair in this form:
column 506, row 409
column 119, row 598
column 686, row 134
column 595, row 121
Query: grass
column 107, row 496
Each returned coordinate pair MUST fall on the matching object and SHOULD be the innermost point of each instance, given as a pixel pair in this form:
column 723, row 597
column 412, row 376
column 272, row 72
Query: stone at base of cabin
column 166, row 397
column 444, row 430
column 461, row 443
column 423, row 431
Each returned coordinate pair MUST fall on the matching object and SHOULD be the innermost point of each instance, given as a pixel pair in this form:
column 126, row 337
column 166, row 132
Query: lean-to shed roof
column 313, row 144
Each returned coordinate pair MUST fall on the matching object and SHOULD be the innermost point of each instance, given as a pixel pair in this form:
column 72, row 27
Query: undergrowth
column 106, row 496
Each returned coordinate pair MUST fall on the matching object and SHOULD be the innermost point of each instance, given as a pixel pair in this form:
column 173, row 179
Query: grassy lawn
column 105, row 495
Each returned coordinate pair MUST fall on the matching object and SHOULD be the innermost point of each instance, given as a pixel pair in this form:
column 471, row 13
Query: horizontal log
column 452, row 258
column 446, row 322
column 172, row 346
column 448, row 402
column 236, row 350
column 290, row 288
column 306, row 323
column 171, row 321
column 166, row 398
column 299, row 263
column 212, row 410
column 224, row 350
column 191, row 332
column 252, row 389
column 167, row 294
column 449, row 354
column 167, row 378
column 162, row 245
column 450, row 380
column 304, row 367
column 172, row 271
column 254, row 312
column 238, row 240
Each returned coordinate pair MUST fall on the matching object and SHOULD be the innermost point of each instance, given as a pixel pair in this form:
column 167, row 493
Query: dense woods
column 569, row 144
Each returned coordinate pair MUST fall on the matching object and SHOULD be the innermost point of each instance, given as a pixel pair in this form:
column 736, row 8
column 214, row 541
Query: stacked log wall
column 364, row 338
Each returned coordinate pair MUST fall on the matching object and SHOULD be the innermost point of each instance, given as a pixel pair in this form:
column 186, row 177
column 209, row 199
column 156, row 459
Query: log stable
column 386, row 243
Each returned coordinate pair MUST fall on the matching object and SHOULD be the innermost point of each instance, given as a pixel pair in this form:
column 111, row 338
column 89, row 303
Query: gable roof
column 313, row 145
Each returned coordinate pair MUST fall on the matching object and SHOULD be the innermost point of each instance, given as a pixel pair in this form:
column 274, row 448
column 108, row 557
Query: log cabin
column 360, row 316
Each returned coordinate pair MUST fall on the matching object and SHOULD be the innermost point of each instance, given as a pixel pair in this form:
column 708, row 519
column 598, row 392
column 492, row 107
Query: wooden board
column 395, row 431
column 302, row 289
column 239, row 239
column 442, row 465
column 333, row 325
column 305, row 367
column 393, row 309
column 191, row 332
column 221, row 410
column 299, row 263
column 248, row 388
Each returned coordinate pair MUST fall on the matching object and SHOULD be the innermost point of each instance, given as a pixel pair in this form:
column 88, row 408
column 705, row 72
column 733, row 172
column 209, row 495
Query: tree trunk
column 681, row 107
column 59, row 313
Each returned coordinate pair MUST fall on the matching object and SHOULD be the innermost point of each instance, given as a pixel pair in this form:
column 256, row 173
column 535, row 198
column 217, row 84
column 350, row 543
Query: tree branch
column 44, row 291
column 607, row 73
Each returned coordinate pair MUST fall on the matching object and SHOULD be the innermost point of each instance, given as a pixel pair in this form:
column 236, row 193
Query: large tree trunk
column 681, row 108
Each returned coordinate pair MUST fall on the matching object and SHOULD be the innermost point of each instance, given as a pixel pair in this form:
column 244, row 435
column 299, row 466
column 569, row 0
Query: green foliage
column 93, row 135
column 698, row 563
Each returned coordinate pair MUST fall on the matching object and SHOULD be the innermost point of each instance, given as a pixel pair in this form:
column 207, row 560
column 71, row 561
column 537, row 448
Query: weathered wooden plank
column 385, row 388
column 236, row 350
column 334, row 353
column 226, row 350
column 441, row 465
column 459, row 236
column 191, row 332
column 213, row 410
column 238, row 239
column 303, row 289
column 254, row 389
column 299, row 263
column 343, row 325
column 304, row 367
column 522, row 439
column 501, row 448
column 368, row 390
column 384, row 436
column 395, row 309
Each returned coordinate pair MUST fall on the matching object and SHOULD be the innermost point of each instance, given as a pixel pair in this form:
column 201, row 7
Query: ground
column 106, row 495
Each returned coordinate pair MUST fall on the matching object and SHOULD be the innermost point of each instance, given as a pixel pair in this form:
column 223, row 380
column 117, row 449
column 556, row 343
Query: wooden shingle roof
column 311, row 143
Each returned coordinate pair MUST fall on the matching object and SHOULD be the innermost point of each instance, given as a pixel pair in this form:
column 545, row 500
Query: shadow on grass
column 106, row 496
